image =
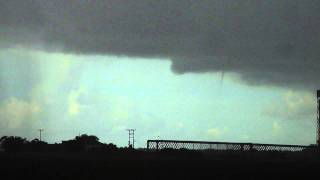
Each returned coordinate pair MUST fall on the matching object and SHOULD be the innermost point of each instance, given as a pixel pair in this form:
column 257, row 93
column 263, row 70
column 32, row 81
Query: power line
column 131, row 138
column 40, row 133
column 318, row 117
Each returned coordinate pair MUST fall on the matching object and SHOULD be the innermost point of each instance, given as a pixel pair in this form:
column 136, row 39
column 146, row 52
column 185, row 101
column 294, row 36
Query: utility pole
column 318, row 118
column 131, row 138
column 40, row 133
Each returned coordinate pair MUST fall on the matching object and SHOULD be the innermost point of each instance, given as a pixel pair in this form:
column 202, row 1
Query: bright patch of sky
column 104, row 95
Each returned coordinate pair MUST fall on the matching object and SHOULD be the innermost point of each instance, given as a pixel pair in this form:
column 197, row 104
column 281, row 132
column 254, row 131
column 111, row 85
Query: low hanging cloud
column 293, row 106
column 74, row 106
column 16, row 113
column 265, row 42
column 214, row 132
column 276, row 128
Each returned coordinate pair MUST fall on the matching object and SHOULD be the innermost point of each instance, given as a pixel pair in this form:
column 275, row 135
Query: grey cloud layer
column 266, row 42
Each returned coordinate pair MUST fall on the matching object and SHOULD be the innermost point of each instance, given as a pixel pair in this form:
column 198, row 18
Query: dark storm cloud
column 266, row 42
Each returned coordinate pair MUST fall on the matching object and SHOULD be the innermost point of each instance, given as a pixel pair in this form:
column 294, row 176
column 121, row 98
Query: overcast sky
column 242, row 71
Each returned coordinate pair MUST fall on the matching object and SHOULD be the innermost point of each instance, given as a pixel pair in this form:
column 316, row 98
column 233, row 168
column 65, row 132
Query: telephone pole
column 131, row 138
column 40, row 133
column 318, row 118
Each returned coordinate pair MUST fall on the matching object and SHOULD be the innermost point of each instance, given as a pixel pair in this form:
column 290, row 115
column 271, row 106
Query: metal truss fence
column 203, row 145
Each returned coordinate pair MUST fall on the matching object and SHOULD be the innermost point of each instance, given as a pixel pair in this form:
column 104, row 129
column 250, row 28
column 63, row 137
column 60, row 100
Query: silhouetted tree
column 111, row 146
column 3, row 138
column 87, row 140
column 37, row 145
column 13, row 143
column 81, row 143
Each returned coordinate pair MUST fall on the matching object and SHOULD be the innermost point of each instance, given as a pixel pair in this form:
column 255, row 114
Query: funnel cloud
column 264, row 42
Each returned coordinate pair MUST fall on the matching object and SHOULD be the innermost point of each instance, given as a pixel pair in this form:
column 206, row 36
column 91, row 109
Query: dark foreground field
column 158, row 165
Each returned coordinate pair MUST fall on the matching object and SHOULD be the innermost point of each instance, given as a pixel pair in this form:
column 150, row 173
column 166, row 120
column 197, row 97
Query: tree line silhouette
column 70, row 160
column 80, row 143
column 91, row 143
